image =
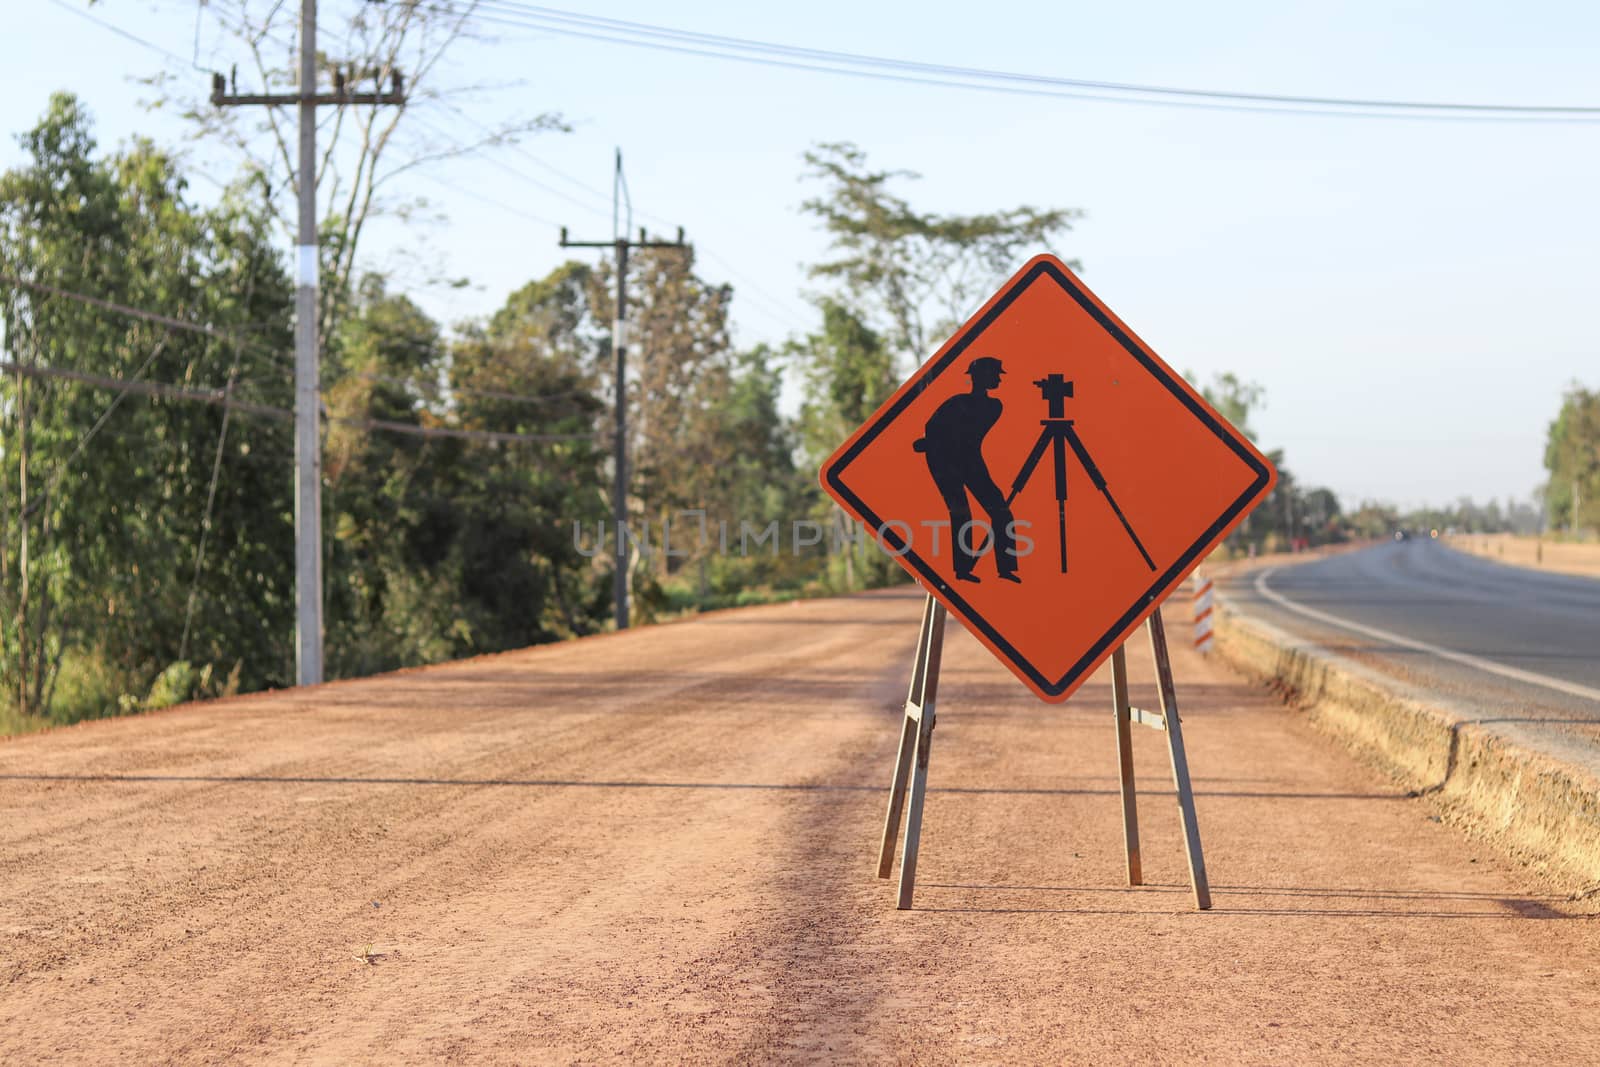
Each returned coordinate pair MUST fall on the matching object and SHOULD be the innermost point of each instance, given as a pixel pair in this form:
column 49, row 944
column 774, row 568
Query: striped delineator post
column 1202, row 613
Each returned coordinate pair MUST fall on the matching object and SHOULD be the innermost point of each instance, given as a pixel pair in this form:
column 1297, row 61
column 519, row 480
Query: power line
column 488, row 394
column 531, row 158
column 100, row 381
column 119, row 31
column 244, row 341
column 530, row 179
column 775, row 307
column 205, row 521
column 225, row 398
column 99, row 424
column 715, row 46
column 216, row 461
column 124, row 309
column 624, row 26
column 492, row 202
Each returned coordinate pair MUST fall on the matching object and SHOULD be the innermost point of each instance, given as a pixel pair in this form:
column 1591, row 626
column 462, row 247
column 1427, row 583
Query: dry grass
column 1561, row 557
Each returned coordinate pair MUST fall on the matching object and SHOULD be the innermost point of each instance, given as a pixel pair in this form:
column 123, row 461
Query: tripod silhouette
column 1056, row 436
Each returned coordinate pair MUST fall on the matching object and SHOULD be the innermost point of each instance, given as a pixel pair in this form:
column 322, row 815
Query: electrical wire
column 624, row 26
column 492, row 202
column 466, row 116
column 225, row 398
column 122, row 309
column 457, row 146
column 178, row 392
column 775, row 308
column 119, row 31
column 194, row 57
column 715, row 46
column 246, row 342
column 216, row 463
column 99, row 424
column 488, row 394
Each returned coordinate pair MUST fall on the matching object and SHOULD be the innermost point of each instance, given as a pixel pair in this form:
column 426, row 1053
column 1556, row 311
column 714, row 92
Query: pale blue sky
column 1414, row 295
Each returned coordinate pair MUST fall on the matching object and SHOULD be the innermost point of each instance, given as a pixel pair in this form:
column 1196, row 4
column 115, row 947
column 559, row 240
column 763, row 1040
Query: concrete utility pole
column 22, row 540
column 307, row 387
column 619, row 491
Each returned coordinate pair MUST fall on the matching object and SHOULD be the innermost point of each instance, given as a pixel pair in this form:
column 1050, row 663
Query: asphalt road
column 1500, row 643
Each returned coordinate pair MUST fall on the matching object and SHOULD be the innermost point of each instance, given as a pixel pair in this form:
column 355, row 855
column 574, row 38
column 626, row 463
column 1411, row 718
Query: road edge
column 1542, row 810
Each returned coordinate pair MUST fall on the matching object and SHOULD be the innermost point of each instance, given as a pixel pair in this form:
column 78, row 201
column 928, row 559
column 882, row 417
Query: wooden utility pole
column 307, row 387
column 621, row 246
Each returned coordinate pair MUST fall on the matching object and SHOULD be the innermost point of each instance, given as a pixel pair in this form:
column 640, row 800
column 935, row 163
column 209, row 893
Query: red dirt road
column 659, row 847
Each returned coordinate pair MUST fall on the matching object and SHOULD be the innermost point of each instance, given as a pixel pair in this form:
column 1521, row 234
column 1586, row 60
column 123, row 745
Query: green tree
column 759, row 483
column 449, row 547
column 847, row 371
column 1572, row 456
column 1235, row 399
column 384, row 607
column 531, row 370
column 914, row 276
column 1371, row 520
column 151, row 529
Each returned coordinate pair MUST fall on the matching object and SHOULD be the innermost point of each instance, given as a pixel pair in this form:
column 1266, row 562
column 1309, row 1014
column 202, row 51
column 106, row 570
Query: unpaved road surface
column 659, row 847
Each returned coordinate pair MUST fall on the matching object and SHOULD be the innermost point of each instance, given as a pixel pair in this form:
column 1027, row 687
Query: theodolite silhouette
column 1057, row 435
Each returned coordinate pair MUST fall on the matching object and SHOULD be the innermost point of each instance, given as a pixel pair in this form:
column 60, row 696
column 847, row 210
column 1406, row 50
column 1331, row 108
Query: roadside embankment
column 1560, row 557
column 1540, row 806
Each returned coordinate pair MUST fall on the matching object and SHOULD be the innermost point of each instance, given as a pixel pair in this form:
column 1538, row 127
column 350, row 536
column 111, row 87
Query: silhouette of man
column 953, row 443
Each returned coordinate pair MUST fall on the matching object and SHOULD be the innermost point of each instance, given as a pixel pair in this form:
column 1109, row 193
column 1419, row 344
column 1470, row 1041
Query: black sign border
column 924, row 377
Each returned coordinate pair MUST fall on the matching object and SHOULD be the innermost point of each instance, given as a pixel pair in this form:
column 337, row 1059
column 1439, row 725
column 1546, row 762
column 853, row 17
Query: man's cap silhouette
column 983, row 363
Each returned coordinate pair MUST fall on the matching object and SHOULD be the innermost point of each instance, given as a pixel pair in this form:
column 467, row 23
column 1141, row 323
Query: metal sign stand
column 916, row 738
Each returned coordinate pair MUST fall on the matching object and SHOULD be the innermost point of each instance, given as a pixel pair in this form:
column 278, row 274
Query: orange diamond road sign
column 1048, row 478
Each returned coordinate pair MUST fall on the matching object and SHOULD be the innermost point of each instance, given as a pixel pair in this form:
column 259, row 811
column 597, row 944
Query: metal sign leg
column 1180, row 763
column 911, row 763
column 1130, row 809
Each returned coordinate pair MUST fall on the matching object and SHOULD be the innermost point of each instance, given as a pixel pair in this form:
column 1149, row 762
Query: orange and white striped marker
column 1202, row 613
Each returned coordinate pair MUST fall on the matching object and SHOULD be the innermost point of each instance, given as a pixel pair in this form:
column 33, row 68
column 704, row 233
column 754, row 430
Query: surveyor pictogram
column 953, row 445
